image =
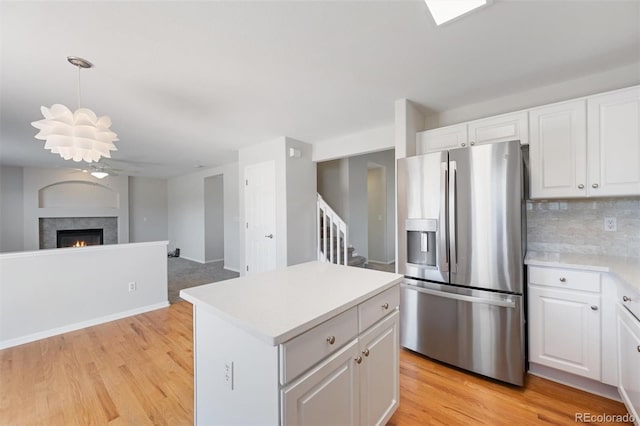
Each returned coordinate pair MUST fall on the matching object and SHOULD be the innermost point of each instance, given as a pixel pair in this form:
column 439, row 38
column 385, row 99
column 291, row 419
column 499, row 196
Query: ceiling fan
column 101, row 170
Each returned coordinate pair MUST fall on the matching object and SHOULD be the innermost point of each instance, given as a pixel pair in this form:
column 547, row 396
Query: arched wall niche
column 77, row 194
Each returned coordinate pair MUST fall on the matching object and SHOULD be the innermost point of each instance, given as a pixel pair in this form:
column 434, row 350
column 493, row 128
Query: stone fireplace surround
column 49, row 226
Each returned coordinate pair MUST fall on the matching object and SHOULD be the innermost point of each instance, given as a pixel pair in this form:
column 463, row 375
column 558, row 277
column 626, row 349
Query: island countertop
column 278, row 305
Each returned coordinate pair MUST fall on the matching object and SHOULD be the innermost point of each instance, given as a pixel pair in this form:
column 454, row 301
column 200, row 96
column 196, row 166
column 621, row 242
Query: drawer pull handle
column 385, row 306
column 594, row 308
column 563, row 279
column 331, row 340
column 358, row 359
column 626, row 299
column 365, row 352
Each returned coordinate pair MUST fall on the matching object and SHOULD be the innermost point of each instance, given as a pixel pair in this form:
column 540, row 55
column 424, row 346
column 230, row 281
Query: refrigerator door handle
column 507, row 303
column 453, row 222
column 443, row 253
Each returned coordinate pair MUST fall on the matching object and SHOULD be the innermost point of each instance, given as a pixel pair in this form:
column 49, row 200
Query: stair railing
column 332, row 235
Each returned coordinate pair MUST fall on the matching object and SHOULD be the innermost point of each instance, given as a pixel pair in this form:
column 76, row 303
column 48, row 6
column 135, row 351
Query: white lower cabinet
column 629, row 361
column 564, row 323
column 357, row 385
column 327, row 395
column 379, row 381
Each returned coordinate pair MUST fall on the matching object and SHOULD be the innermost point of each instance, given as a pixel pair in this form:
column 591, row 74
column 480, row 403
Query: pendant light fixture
column 80, row 135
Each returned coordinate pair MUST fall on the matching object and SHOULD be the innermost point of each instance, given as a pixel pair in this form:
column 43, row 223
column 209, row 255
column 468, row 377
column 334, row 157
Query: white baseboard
column 214, row 260
column 193, row 260
column 79, row 325
column 578, row 382
column 381, row 262
column 228, row 268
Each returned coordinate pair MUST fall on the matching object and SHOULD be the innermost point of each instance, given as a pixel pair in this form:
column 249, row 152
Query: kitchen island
column 314, row 343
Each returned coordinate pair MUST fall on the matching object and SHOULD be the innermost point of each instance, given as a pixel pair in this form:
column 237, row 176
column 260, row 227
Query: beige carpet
column 185, row 273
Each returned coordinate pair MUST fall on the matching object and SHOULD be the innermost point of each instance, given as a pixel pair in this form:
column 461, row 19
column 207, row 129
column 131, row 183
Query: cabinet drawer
column 565, row 278
column 376, row 308
column 302, row 352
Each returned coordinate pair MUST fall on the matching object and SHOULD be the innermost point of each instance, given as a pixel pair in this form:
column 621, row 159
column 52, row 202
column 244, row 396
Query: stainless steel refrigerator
column 460, row 247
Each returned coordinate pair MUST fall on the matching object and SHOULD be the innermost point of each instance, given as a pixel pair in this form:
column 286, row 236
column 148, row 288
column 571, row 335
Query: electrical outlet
column 610, row 224
column 228, row 374
column 132, row 286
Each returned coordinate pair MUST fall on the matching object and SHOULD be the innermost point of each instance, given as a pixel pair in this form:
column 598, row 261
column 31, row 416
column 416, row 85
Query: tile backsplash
column 577, row 226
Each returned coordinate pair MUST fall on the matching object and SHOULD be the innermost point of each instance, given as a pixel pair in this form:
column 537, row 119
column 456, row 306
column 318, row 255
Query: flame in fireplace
column 79, row 244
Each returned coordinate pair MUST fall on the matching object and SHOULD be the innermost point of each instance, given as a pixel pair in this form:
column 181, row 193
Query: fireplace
column 79, row 237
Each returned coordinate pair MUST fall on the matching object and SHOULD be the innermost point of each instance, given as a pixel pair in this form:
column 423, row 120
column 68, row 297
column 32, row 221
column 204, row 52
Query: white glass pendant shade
column 77, row 136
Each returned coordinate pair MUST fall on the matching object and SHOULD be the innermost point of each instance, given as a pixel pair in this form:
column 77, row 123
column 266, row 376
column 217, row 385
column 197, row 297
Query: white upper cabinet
column 441, row 139
column 613, row 143
column 558, row 150
column 503, row 128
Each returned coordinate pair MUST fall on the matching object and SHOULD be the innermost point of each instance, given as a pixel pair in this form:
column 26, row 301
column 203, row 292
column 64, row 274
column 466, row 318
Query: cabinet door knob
column 595, row 185
column 563, row 279
column 331, row 340
column 626, row 299
column 638, row 348
column 358, row 359
column 385, row 306
column 365, row 352
column 472, row 143
column 463, row 144
column 594, row 308
column 581, row 186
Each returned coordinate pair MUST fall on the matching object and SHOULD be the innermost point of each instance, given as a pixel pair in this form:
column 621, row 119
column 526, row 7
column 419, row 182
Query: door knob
column 563, row 279
column 626, row 299
column 269, row 236
column 358, row 359
column 365, row 352
column 472, row 143
column 595, row 185
column 331, row 340
column 581, row 186
column 463, row 144
column 594, row 308
column 385, row 306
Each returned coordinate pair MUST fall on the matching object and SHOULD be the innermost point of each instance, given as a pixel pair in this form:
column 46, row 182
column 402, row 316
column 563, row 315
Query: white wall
column 616, row 78
column 148, row 209
column 333, row 184
column 214, row 218
column 49, row 292
column 187, row 217
column 377, row 192
column 35, row 179
column 11, row 209
column 301, row 204
column 369, row 140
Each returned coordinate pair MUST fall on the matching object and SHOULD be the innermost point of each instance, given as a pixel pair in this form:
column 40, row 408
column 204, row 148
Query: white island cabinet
column 310, row 344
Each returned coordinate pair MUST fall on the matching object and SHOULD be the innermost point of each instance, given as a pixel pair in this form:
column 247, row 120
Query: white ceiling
column 189, row 83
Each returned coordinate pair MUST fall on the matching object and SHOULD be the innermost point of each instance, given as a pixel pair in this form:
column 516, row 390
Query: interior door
column 260, row 217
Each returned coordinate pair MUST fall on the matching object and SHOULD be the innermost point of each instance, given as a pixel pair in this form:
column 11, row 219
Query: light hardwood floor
column 139, row 370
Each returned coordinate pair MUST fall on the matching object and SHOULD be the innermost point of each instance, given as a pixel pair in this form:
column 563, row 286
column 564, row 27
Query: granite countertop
column 278, row 305
column 626, row 268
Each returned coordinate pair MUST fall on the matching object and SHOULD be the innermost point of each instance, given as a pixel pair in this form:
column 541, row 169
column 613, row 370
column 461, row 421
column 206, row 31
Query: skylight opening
column 447, row 10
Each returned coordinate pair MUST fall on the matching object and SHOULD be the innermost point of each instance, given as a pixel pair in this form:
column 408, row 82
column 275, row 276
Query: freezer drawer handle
column 503, row 303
